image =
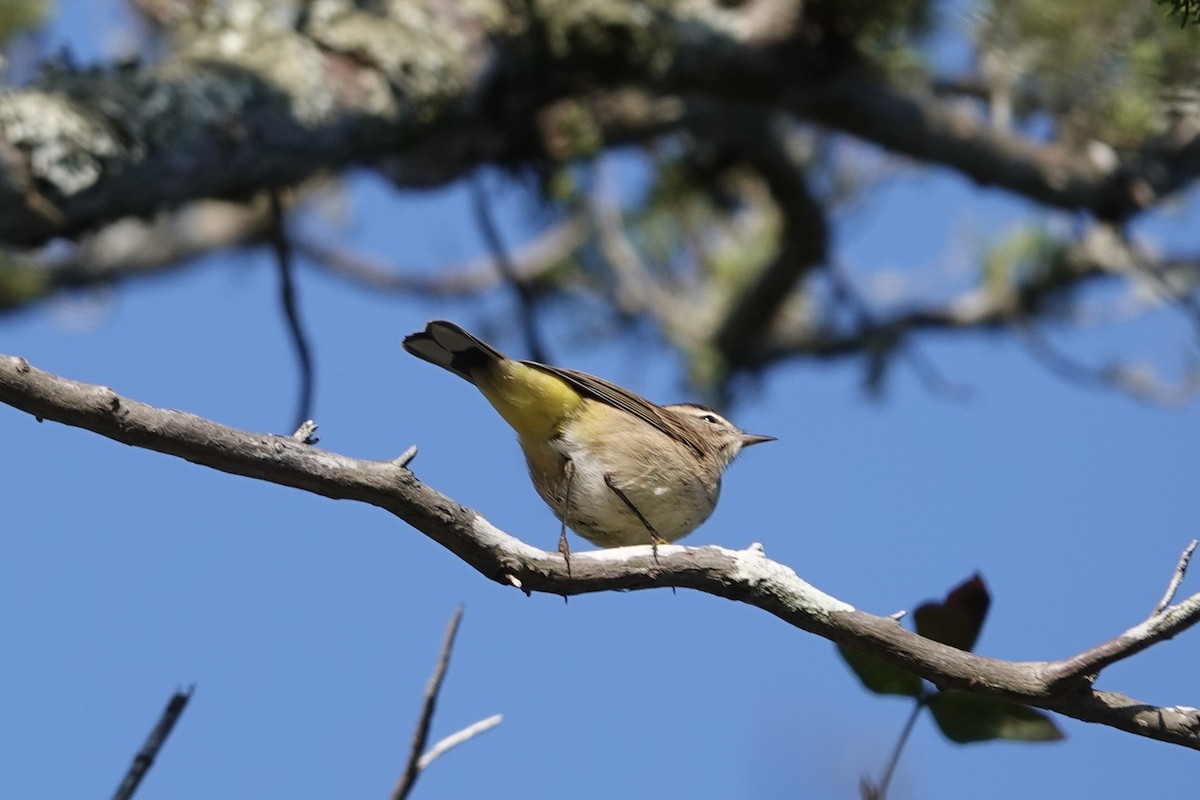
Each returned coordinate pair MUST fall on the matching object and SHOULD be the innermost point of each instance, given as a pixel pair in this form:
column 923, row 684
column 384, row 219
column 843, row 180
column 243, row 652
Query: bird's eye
column 713, row 418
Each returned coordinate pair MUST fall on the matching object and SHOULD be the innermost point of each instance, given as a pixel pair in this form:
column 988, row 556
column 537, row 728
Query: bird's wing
column 625, row 400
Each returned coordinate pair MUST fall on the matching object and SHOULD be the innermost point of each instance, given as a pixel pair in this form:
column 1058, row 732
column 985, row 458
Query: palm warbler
column 614, row 467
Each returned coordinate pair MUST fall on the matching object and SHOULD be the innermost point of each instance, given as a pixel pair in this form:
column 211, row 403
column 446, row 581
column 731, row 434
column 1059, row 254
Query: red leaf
column 958, row 619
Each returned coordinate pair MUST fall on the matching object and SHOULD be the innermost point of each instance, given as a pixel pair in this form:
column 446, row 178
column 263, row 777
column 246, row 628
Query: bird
column 614, row 467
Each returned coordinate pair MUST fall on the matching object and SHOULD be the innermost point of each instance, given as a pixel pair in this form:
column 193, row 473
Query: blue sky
column 310, row 626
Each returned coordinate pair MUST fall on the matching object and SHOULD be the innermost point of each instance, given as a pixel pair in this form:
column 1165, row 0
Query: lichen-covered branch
column 426, row 91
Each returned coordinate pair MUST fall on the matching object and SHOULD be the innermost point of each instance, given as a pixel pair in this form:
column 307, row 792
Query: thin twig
column 1160, row 625
column 526, row 298
column 882, row 790
column 634, row 290
column 455, row 739
column 924, row 368
column 530, row 261
column 133, row 248
column 154, row 742
column 413, row 767
column 1184, row 301
column 282, row 245
column 1176, row 578
column 1112, row 376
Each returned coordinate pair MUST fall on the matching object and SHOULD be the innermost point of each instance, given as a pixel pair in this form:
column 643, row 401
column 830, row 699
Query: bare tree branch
column 1176, row 578
column 458, row 737
column 281, row 244
column 131, row 248
column 926, row 371
column 529, row 262
column 154, row 742
column 804, row 242
column 747, row 576
column 413, row 766
column 1115, row 375
column 635, row 291
column 1100, row 254
column 1163, row 623
column 526, row 298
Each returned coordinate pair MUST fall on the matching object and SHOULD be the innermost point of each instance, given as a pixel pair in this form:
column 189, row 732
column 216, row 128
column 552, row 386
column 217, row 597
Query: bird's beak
column 755, row 438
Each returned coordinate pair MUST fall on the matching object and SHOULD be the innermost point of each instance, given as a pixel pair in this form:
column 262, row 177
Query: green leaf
column 879, row 676
column 958, row 619
column 965, row 718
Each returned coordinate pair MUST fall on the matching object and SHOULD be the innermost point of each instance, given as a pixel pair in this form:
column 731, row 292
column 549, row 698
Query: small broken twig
column 406, row 457
column 304, row 434
column 1176, row 578
column 154, row 742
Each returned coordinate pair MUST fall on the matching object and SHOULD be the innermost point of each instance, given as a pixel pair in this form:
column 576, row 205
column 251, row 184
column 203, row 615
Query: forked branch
column 747, row 576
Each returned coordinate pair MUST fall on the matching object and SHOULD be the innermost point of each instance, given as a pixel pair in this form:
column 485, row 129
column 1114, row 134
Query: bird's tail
column 450, row 347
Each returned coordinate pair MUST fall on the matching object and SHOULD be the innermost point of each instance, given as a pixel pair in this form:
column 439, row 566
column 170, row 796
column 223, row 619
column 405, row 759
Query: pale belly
column 673, row 501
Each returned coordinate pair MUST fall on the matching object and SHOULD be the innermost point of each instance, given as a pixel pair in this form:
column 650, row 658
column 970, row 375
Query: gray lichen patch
column 66, row 147
column 634, row 33
column 423, row 56
column 230, row 68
